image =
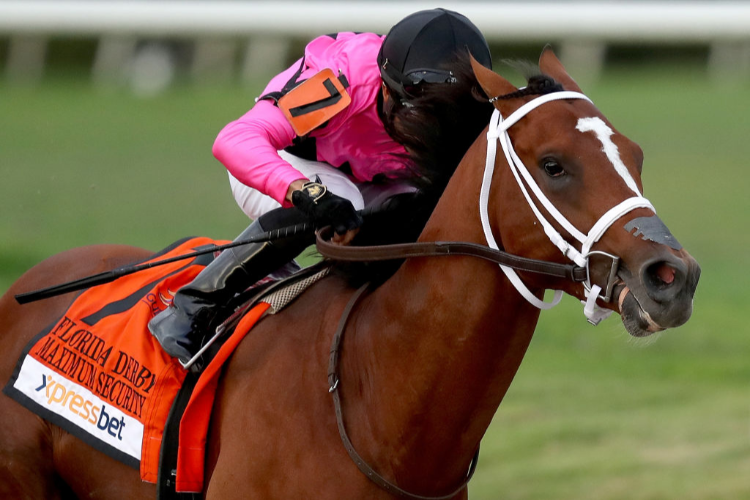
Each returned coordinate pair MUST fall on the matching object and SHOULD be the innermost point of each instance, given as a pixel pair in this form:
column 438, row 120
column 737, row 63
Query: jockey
column 328, row 137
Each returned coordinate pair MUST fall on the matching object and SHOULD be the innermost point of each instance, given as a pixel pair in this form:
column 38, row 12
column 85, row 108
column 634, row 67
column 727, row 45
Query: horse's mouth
column 637, row 321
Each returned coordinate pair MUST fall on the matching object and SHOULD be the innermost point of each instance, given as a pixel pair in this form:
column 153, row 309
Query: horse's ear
column 492, row 83
column 551, row 66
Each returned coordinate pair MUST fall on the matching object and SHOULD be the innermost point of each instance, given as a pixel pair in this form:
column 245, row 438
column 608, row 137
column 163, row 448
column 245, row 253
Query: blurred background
column 108, row 111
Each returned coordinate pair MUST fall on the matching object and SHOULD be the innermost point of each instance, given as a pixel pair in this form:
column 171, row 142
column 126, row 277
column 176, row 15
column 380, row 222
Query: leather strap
column 333, row 381
column 443, row 248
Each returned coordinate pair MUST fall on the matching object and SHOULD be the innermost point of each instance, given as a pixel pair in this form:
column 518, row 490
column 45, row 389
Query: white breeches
column 254, row 203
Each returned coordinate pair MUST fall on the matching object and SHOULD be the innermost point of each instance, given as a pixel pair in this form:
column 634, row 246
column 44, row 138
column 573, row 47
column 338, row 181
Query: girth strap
column 443, row 248
column 333, row 381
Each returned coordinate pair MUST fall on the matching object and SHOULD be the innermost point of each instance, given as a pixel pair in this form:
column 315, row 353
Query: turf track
column 592, row 414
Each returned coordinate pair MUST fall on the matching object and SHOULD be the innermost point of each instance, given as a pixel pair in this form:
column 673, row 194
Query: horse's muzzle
column 660, row 294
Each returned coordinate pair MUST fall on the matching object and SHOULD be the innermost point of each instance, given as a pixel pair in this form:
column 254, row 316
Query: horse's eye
column 552, row 168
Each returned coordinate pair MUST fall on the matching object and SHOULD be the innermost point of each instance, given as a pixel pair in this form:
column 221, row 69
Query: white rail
column 582, row 29
column 703, row 21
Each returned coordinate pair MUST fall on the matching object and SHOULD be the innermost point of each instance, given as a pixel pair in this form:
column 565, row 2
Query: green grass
column 592, row 414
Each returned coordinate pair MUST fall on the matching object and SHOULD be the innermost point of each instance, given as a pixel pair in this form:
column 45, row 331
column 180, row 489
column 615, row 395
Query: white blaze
column 604, row 134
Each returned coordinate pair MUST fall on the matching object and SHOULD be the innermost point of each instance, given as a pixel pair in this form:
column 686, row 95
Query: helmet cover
column 417, row 48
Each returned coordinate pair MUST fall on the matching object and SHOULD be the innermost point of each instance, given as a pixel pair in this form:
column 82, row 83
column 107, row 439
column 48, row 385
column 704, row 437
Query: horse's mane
column 458, row 112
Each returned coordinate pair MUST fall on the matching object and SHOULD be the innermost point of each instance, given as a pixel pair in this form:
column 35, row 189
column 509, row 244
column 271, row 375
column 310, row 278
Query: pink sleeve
column 248, row 149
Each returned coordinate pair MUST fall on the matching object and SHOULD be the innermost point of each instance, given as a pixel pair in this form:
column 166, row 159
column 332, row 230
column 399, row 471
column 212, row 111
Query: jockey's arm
column 248, row 147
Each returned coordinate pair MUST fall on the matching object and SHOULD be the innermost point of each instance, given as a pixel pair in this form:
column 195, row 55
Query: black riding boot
column 181, row 327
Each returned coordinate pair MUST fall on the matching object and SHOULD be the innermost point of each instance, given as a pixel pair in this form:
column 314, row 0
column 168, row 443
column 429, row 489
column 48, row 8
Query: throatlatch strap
column 333, row 381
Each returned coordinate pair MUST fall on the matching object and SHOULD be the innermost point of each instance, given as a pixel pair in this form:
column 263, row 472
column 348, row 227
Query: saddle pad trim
column 172, row 379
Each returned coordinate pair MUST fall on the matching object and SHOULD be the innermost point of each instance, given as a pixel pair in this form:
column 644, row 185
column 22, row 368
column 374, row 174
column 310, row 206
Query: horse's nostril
column 664, row 279
column 660, row 275
column 665, row 274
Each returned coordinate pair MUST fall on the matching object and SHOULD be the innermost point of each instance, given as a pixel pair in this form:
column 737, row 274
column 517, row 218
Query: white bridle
column 498, row 131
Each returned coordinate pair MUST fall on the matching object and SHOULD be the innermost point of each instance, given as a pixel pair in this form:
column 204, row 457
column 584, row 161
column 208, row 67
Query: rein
column 333, row 381
column 445, row 248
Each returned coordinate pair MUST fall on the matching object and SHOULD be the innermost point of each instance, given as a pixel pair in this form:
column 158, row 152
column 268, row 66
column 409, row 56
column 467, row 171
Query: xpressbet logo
column 84, row 409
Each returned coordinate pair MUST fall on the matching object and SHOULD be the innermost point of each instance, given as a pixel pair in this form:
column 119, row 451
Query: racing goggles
column 410, row 85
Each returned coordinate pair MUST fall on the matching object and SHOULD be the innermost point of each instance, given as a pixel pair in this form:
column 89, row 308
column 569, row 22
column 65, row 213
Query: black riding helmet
column 417, row 48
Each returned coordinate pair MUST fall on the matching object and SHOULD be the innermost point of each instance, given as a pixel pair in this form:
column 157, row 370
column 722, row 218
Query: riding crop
column 109, row 276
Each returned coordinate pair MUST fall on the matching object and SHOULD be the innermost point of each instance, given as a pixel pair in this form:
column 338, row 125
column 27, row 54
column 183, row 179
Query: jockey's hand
column 326, row 209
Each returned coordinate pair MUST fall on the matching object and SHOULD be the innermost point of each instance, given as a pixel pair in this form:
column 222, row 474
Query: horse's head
column 567, row 187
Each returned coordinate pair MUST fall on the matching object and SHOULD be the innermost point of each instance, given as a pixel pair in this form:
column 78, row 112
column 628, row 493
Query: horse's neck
column 435, row 349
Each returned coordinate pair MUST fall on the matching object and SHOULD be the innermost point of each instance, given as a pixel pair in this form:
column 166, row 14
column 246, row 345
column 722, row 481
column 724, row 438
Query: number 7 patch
column 315, row 101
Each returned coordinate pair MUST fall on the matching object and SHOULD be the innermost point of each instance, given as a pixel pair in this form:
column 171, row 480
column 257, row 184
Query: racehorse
column 428, row 355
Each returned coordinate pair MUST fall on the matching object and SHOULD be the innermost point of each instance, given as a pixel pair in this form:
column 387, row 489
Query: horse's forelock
column 537, row 82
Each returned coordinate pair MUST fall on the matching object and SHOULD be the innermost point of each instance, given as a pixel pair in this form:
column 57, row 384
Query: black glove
column 325, row 208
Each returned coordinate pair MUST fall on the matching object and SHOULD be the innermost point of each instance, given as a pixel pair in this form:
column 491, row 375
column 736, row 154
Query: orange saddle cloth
column 98, row 373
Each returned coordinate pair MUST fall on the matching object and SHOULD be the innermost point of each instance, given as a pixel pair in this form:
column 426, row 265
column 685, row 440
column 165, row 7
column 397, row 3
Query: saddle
column 267, row 297
column 99, row 374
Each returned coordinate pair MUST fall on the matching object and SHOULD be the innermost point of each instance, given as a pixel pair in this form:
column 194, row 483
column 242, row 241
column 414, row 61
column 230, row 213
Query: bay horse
column 428, row 356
